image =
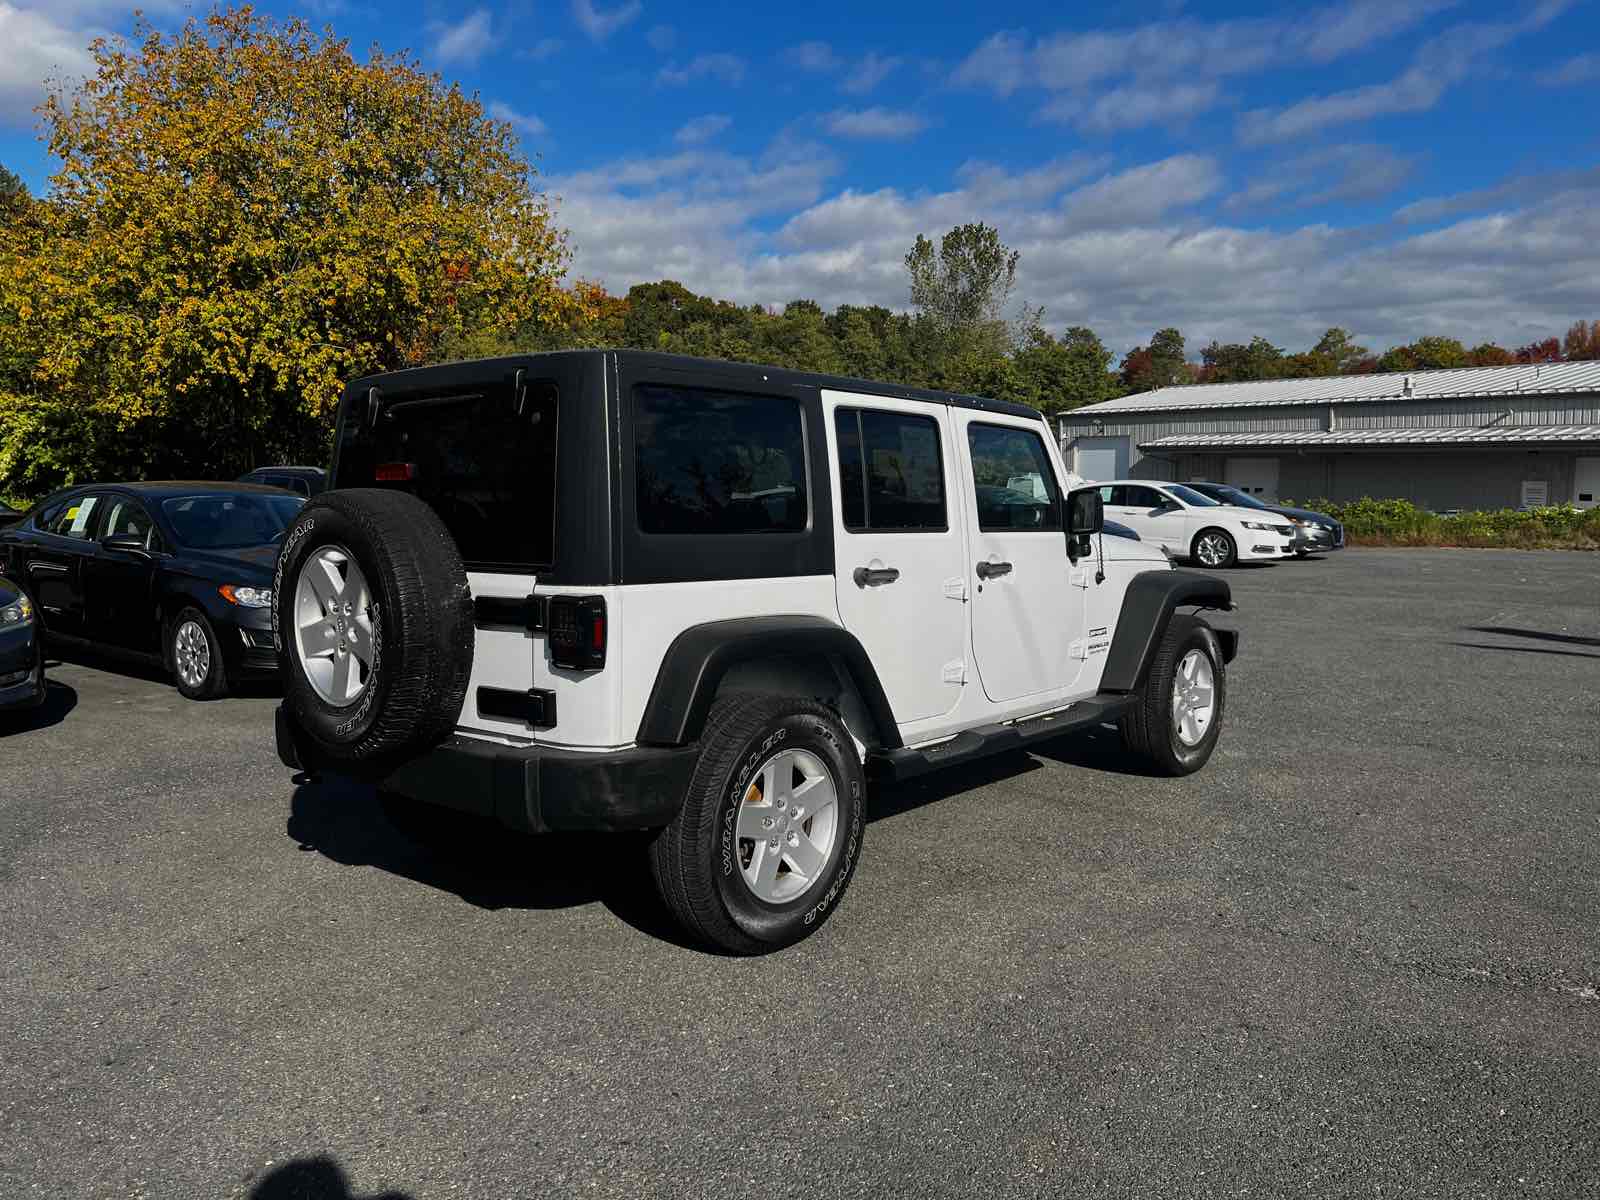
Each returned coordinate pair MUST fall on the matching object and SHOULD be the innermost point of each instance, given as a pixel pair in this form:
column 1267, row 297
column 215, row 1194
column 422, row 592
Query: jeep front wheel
column 770, row 830
column 1179, row 715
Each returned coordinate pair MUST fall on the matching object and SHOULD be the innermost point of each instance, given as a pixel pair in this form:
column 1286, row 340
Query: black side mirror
column 1086, row 512
column 125, row 543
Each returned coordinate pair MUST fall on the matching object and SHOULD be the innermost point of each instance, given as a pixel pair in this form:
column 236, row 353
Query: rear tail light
column 577, row 632
column 395, row 472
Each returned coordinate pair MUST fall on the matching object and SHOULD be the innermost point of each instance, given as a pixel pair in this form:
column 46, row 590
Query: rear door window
column 488, row 470
column 714, row 462
column 891, row 476
column 76, row 518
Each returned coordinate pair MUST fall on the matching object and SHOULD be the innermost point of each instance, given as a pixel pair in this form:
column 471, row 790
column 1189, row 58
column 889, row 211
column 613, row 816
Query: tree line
column 246, row 216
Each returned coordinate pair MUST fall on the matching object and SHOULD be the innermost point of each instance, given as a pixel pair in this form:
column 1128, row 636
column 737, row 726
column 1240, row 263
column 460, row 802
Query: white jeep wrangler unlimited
column 614, row 590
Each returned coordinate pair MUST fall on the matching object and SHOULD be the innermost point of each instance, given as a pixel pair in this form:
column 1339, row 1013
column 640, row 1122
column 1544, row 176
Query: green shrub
column 1400, row 523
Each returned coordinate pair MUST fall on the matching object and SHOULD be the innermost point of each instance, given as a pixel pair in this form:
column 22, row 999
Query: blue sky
column 1399, row 167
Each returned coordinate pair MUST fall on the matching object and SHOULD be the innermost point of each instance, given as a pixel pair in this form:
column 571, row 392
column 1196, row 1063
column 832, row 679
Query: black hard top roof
column 747, row 374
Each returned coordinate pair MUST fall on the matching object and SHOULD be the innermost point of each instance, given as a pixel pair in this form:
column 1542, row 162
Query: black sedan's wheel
column 770, row 830
column 195, row 656
column 1179, row 715
column 1215, row 548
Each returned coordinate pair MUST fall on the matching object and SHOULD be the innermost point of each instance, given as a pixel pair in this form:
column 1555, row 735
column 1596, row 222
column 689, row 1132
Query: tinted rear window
column 488, row 471
column 718, row 462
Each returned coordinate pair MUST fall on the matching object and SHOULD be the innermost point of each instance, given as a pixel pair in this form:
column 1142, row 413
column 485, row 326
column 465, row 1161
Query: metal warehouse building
column 1489, row 437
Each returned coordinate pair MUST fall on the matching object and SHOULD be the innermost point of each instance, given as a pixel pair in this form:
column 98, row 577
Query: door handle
column 991, row 570
column 875, row 576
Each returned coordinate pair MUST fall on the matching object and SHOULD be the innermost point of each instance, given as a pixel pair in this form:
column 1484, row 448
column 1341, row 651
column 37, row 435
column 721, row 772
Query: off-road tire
column 215, row 685
column 695, row 859
column 421, row 620
column 1148, row 729
column 1230, row 559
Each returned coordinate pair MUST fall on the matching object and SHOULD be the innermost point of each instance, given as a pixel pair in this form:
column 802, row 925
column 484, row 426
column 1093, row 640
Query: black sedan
column 176, row 573
column 21, row 657
column 305, row 481
column 1314, row 532
column 8, row 515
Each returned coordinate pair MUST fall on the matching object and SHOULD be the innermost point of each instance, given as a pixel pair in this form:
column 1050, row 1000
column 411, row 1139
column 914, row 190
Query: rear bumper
column 534, row 789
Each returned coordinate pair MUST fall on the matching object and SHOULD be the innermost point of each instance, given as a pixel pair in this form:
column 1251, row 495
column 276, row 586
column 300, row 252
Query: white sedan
column 1189, row 525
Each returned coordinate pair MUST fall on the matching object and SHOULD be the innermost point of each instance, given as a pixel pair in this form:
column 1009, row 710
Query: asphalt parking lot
column 1359, row 954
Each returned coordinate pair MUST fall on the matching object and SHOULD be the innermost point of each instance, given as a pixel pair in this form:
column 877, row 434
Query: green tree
column 1340, row 350
column 1235, row 362
column 14, row 198
column 962, row 288
column 246, row 216
column 1160, row 364
column 1056, row 375
column 1425, row 354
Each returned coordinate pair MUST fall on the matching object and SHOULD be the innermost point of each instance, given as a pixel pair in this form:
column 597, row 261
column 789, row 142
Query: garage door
column 1586, row 483
column 1258, row 476
column 1097, row 458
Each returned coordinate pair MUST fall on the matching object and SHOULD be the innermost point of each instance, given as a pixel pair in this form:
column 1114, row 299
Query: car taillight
column 577, row 632
column 395, row 472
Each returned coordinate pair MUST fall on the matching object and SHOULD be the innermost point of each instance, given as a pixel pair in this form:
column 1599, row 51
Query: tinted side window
column 1143, row 497
column 127, row 517
column 890, row 471
column 76, row 518
column 1113, row 494
column 1001, row 454
column 712, row 462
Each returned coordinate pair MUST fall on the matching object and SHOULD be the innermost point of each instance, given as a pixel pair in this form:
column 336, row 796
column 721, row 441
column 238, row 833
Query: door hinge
column 955, row 672
column 955, row 589
column 1079, row 578
column 1076, row 649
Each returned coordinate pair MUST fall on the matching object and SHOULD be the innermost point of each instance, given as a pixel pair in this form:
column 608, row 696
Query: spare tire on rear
column 372, row 617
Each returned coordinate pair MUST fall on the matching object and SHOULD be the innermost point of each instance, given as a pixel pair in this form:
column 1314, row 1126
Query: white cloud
column 466, row 41
column 1582, row 69
column 1440, row 63
column 872, row 69
column 522, row 122
column 37, row 48
column 729, row 68
column 542, row 49
column 1353, row 172
column 600, row 25
column 1123, row 253
column 1133, row 105
column 1186, row 49
column 1508, row 193
column 813, row 56
column 702, row 129
column 662, row 38
column 874, row 123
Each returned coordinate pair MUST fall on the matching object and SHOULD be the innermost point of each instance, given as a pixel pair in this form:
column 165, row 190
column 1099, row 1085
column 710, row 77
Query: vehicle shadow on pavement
column 484, row 864
column 1098, row 749
column 311, row 1179
column 1575, row 639
column 59, row 700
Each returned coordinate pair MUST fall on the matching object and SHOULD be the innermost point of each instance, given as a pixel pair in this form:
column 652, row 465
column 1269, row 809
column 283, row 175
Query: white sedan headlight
column 14, row 616
column 1262, row 525
column 246, row 597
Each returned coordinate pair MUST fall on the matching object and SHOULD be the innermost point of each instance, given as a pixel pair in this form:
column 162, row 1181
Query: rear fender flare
column 699, row 657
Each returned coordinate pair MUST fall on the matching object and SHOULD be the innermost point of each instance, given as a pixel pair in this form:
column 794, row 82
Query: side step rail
column 892, row 766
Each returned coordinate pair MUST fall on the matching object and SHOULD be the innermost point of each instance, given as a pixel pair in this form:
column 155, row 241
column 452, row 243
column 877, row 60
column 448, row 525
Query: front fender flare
column 1147, row 607
column 693, row 667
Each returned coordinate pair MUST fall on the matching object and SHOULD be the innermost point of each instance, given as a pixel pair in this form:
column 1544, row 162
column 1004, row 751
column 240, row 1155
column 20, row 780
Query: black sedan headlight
column 17, row 614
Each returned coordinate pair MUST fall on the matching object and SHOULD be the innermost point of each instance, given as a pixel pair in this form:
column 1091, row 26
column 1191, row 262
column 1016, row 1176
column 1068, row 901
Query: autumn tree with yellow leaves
column 246, row 216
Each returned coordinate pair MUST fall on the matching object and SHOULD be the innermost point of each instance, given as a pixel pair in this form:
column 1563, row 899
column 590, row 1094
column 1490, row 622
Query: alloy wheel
column 191, row 654
column 333, row 632
column 1194, row 692
column 787, row 825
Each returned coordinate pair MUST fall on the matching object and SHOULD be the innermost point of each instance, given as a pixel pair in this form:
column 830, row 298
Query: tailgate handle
column 515, row 612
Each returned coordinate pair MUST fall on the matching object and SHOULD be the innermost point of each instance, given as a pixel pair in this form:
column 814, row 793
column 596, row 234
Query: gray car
column 1314, row 532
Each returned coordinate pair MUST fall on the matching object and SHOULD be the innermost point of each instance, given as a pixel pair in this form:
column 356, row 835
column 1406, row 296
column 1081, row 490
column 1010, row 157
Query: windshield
column 1232, row 495
column 1191, row 497
column 229, row 520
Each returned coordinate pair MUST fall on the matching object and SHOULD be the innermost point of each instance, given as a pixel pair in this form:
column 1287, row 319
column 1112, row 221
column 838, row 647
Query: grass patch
column 1369, row 522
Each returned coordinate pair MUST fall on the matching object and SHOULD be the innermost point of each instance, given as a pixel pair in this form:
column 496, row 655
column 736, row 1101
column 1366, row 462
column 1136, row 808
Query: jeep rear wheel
column 770, row 830
column 1179, row 715
column 373, row 621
